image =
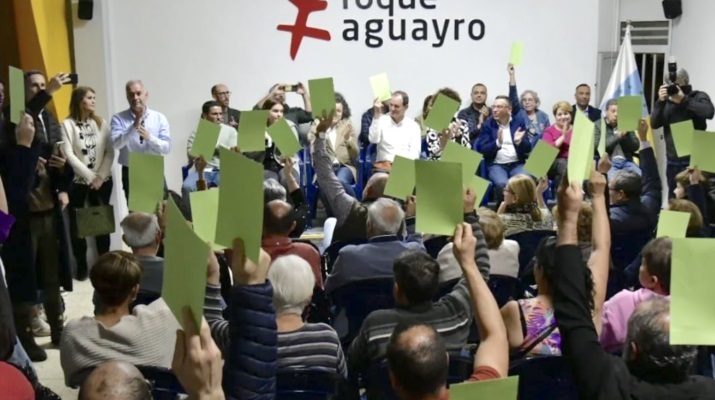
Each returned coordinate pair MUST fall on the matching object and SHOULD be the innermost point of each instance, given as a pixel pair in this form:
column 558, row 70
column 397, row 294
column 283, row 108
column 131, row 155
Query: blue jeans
column 499, row 174
column 346, row 178
column 622, row 164
column 212, row 178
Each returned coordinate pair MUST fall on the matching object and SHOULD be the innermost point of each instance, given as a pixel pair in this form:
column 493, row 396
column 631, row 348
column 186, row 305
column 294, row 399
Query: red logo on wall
column 301, row 28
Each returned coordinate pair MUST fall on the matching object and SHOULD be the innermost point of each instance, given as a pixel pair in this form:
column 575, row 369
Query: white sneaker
column 40, row 328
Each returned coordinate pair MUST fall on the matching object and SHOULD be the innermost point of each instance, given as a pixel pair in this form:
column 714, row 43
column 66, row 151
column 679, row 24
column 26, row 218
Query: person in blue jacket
column 504, row 144
column 526, row 106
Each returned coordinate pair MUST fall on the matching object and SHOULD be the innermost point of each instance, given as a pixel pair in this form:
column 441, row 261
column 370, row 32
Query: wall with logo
column 180, row 49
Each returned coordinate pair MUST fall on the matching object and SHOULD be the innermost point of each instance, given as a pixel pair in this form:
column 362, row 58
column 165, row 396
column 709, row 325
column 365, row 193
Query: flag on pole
column 626, row 81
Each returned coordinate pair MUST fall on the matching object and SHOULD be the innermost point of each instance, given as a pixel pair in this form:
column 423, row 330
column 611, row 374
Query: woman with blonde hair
column 558, row 135
column 503, row 253
column 696, row 227
column 88, row 147
column 523, row 208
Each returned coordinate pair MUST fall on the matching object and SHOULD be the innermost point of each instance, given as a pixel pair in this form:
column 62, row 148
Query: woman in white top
column 503, row 253
column 89, row 152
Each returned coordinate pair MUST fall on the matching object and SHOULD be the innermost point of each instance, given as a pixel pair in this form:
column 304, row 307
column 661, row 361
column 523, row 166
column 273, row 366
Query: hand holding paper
column 284, row 137
column 17, row 94
column 322, row 96
column 205, row 140
column 380, row 87
column 401, row 182
column 630, row 111
column 673, row 224
column 541, row 159
column 252, row 130
column 439, row 195
column 441, row 113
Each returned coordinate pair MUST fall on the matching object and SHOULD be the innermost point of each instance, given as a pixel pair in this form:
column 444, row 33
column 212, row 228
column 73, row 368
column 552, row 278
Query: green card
column 682, row 133
column 469, row 159
column 380, row 87
column 703, row 150
column 146, row 182
column 205, row 140
column 204, row 211
column 185, row 266
column 692, row 316
column 441, row 113
column 517, row 51
column 284, row 137
column 240, row 202
column 439, row 197
column 602, row 139
column 673, row 224
column 580, row 159
column 252, row 130
column 17, row 94
column 322, row 96
column 401, row 182
column 630, row 112
column 541, row 159
column 480, row 186
column 492, row 389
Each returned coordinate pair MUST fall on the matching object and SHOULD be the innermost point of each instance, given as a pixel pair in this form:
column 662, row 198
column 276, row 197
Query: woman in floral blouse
column 458, row 130
column 523, row 208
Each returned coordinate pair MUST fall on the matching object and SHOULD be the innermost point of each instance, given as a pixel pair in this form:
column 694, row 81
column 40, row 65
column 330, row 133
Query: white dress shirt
column 507, row 151
column 126, row 138
column 402, row 139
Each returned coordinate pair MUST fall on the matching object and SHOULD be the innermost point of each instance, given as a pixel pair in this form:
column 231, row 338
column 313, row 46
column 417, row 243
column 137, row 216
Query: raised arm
column 493, row 349
column 513, row 94
column 599, row 260
column 652, row 186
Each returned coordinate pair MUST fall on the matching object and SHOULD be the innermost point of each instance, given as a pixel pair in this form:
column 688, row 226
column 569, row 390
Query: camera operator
column 677, row 102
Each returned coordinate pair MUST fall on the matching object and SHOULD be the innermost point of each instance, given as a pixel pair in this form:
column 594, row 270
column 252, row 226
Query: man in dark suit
column 222, row 95
column 583, row 98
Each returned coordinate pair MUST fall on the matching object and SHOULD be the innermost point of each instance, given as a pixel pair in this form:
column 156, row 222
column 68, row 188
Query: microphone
column 141, row 139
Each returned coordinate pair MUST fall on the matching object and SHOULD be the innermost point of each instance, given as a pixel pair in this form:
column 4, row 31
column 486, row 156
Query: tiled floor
column 78, row 304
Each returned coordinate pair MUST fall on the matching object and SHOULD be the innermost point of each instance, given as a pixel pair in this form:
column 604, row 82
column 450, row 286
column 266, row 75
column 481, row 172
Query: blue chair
column 370, row 153
column 377, row 381
column 355, row 301
column 504, row 288
column 307, row 384
column 528, row 242
column 544, row 377
column 311, row 189
column 185, row 170
column 424, row 152
column 164, row 384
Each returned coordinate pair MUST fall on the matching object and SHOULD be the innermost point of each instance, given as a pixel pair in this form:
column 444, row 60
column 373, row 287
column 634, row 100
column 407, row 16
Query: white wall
column 181, row 51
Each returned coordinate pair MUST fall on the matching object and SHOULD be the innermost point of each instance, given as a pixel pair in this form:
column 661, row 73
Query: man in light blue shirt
column 138, row 129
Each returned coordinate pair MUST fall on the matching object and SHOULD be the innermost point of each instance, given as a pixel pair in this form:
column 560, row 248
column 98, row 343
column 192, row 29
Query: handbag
column 95, row 220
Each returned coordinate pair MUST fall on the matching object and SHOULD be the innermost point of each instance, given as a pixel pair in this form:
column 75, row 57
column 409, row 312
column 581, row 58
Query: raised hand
column 597, row 184
column 643, row 130
column 464, row 244
column 245, row 271
column 25, row 130
column 56, row 83
column 469, row 200
column 410, row 206
column 604, row 164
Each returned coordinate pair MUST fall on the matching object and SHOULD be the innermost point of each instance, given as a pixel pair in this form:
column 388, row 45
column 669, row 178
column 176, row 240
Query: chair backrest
column 357, row 300
column 377, row 379
column 319, row 308
column 435, row 244
column 307, row 384
column 528, row 242
column 331, row 253
column 503, row 288
column 145, row 298
column 544, row 377
column 165, row 385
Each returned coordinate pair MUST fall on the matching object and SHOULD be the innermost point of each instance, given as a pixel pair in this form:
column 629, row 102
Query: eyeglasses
column 227, row 94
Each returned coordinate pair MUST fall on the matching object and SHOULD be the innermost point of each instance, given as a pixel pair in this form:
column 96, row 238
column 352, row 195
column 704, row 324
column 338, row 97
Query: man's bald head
column 115, row 380
column 375, row 186
column 417, row 359
column 278, row 218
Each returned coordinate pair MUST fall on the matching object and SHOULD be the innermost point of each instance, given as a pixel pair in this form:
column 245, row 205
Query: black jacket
column 594, row 114
column 695, row 106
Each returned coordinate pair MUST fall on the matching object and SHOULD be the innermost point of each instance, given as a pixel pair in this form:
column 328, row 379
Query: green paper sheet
column 493, row 389
column 630, row 112
column 204, row 211
column 469, row 159
column 401, row 182
column 252, row 130
column 285, row 139
column 692, row 316
column 673, row 224
column 703, row 150
column 517, row 52
column 322, row 96
column 580, row 159
column 240, row 203
column 185, row 266
column 380, row 87
column 480, row 186
column 441, row 113
column 541, row 159
column 146, row 182
column 683, row 137
column 602, row 139
column 439, row 197
column 17, row 94
column 206, row 139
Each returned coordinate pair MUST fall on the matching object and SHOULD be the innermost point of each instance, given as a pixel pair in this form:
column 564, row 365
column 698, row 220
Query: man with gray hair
column 620, row 146
column 374, row 259
column 678, row 102
column 138, row 129
column 115, row 380
column 143, row 234
column 273, row 190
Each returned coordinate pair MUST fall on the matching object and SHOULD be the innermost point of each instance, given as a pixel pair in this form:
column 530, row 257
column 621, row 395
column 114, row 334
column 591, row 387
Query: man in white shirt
column 228, row 138
column 138, row 129
column 395, row 134
column 502, row 144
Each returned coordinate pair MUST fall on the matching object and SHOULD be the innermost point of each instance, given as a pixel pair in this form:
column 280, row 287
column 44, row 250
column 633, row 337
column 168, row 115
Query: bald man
column 115, row 380
column 278, row 223
column 222, row 95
